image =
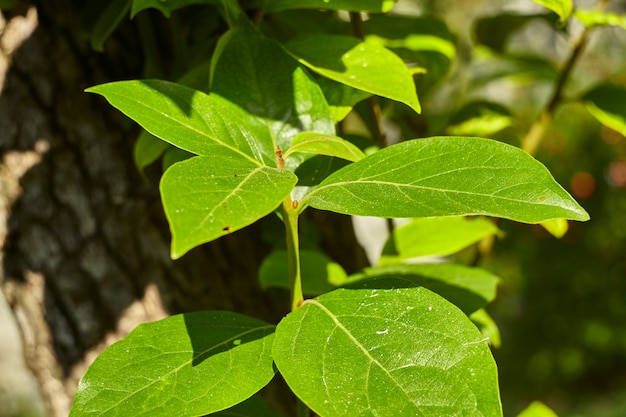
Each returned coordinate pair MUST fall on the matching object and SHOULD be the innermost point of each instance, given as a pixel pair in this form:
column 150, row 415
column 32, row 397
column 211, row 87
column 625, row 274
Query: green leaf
column 504, row 25
column 341, row 98
column 437, row 236
column 256, row 73
column 468, row 288
column 185, row 365
column 447, row 176
column 173, row 155
column 563, row 8
column 166, row 6
column 319, row 273
column 254, row 406
column 210, row 196
column 556, row 227
column 363, row 65
column 522, row 69
column 487, row 327
column 189, row 119
column 537, row 409
column 402, row 352
column 148, row 149
column 371, row 6
column 479, row 118
column 329, row 145
column 424, row 42
column 607, row 103
column 594, row 18
column 108, row 21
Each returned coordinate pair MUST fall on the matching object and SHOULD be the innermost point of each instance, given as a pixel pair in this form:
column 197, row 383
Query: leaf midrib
column 442, row 190
column 358, row 344
column 187, row 126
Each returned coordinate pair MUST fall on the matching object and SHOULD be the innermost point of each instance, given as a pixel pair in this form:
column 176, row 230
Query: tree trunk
column 84, row 241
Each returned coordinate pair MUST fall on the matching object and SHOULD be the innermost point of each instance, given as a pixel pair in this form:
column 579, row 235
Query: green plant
column 395, row 339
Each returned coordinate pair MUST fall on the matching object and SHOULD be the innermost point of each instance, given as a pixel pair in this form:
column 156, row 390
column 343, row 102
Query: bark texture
column 84, row 244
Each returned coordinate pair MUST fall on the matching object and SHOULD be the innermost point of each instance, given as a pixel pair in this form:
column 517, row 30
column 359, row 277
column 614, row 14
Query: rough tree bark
column 83, row 241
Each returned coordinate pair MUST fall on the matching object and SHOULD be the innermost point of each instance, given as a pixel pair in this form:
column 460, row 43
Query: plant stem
column 373, row 106
column 532, row 140
column 291, row 212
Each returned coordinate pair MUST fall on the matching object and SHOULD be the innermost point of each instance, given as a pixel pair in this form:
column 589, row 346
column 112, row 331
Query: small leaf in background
column 320, row 274
column 487, row 327
column 422, row 42
column 468, row 288
column 563, row 8
column 594, row 18
column 436, row 236
column 190, row 119
column 108, row 21
column 148, row 149
column 371, row 6
column 556, row 227
column 537, row 409
column 257, row 74
column 362, row 65
column 479, row 118
column 340, row 97
column 447, row 176
column 522, row 69
column 174, row 155
column 185, row 365
column 320, row 144
column 505, row 25
column 389, row 353
column 207, row 197
column 254, row 406
column 166, row 6
column 606, row 103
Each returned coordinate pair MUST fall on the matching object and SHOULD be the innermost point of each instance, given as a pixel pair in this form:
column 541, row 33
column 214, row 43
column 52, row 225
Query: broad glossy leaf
column 190, row 119
column 371, row 6
column 435, row 236
column 468, row 288
column 362, row 65
column 563, row 8
column 594, row 18
column 447, row 176
column 537, row 409
column 166, row 6
column 207, row 197
column 504, row 25
column 320, row 274
column 108, row 21
column 185, row 365
column 329, row 145
column 257, row 74
column 254, row 406
column 402, row 352
column 606, row 103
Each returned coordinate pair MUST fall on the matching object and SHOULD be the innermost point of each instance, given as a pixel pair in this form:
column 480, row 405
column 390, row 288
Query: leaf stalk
column 291, row 212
